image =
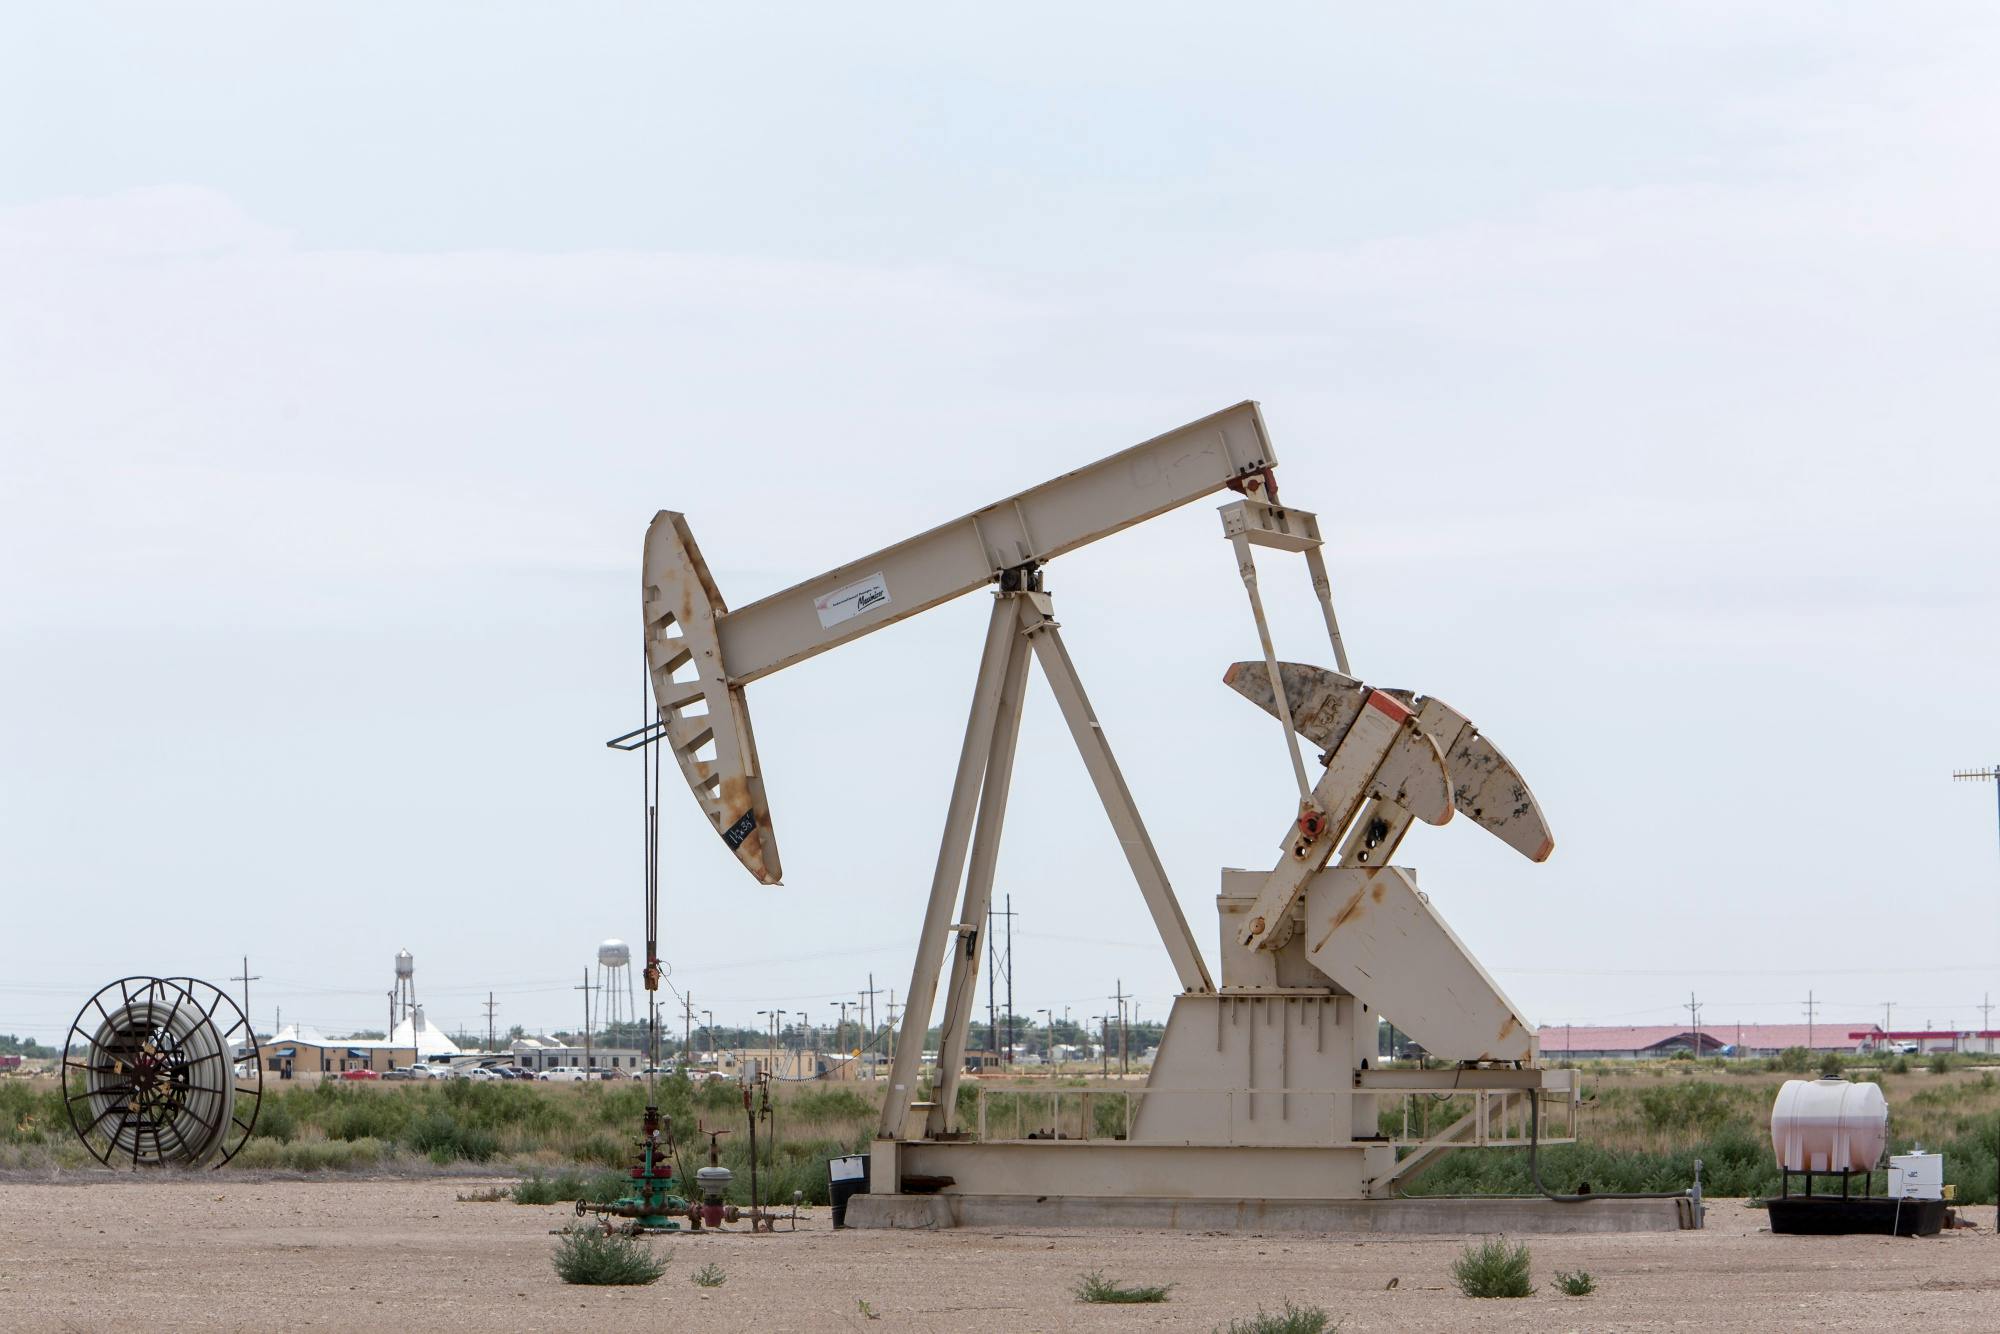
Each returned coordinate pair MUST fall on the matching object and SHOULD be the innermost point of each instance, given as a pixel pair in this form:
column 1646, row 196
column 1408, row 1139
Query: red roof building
column 1592, row 1041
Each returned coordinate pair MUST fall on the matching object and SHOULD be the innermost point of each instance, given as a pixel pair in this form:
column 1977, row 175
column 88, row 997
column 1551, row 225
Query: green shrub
column 1291, row 1320
column 1830, row 1065
column 275, row 1121
column 604, row 1150
column 597, row 1188
column 1493, row 1269
column 709, row 1276
column 32, row 1116
column 1095, row 1287
column 312, row 1155
column 1579, row 1284
column 834, row 1104
column 1939, row 1063
column 1698, row 1107
column 588, row 1254
column 1900, row 1066
column 1794, row 1060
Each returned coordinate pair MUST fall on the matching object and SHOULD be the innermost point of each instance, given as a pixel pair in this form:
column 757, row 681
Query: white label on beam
column 844, row 604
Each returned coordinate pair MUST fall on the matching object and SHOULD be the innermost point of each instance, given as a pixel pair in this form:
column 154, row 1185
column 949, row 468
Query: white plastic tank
column 614, row 953
column 1829, row 1125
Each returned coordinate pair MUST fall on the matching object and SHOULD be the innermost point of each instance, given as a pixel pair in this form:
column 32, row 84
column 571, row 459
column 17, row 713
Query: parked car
column 359, row 1074
column 562, row 1074
column 484, row 1073
column 401, row 1072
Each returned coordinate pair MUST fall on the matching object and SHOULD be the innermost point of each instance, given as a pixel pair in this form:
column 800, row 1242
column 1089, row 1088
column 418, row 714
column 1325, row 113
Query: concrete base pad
column 1435, row 1216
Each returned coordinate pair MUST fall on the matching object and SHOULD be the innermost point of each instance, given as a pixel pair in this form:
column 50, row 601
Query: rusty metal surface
column 1384, row 757
column 1485, row 785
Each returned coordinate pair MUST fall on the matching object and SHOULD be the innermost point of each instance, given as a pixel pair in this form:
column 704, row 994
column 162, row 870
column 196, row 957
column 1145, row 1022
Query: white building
column 545, row 1053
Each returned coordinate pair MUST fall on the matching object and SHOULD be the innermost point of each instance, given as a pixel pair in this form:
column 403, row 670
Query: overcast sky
column 1640, row 363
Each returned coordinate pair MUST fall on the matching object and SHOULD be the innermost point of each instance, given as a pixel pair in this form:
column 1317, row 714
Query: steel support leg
column 979, row 885
column 1117, row 798
column 938, row 930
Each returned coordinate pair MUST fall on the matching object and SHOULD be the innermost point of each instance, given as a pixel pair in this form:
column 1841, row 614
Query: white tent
column 429, row 1042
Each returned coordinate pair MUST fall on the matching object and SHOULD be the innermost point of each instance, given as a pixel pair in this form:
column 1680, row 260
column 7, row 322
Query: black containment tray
column 1830, row 1215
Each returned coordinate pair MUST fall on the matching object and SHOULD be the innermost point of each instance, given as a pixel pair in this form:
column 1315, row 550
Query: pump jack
column 1264, row 1094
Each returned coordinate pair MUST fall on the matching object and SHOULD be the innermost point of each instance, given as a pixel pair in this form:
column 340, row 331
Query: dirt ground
column 220, row 1252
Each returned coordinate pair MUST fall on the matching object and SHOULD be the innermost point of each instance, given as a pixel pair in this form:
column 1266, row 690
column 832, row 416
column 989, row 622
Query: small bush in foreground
column 1291, row 1320
column 1094, row 1287
column 1579, row 1284
column 709, row 1276
column 1493, row 1269
column 589, row 1254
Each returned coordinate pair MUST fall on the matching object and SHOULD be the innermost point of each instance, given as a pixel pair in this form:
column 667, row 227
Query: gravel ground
column 221, row 1252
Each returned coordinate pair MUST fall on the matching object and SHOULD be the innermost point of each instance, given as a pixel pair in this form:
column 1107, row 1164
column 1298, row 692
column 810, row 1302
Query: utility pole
column 1811, row 1006
column 246, row 977
column 893, row 1007
column 392, row 1014
column 1104, row 1046
column 1887, row 1008
column 708, row 1023
column 687, row 1027
column 870, row 996
column 1050, row 1015
column 1693, row 1007
column 992, row 1001
column 589, row 1061
column 490, row 1007
column 1007, row 973
column 1124, row 1064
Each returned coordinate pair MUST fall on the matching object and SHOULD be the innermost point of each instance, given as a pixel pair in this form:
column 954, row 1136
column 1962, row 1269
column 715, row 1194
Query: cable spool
column 150, row 1074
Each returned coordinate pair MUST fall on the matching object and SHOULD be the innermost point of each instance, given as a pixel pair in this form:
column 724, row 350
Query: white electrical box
column 1916, row 1176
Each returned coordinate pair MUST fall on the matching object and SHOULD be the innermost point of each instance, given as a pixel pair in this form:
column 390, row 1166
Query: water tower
column 404, row 998
column 614, row 984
